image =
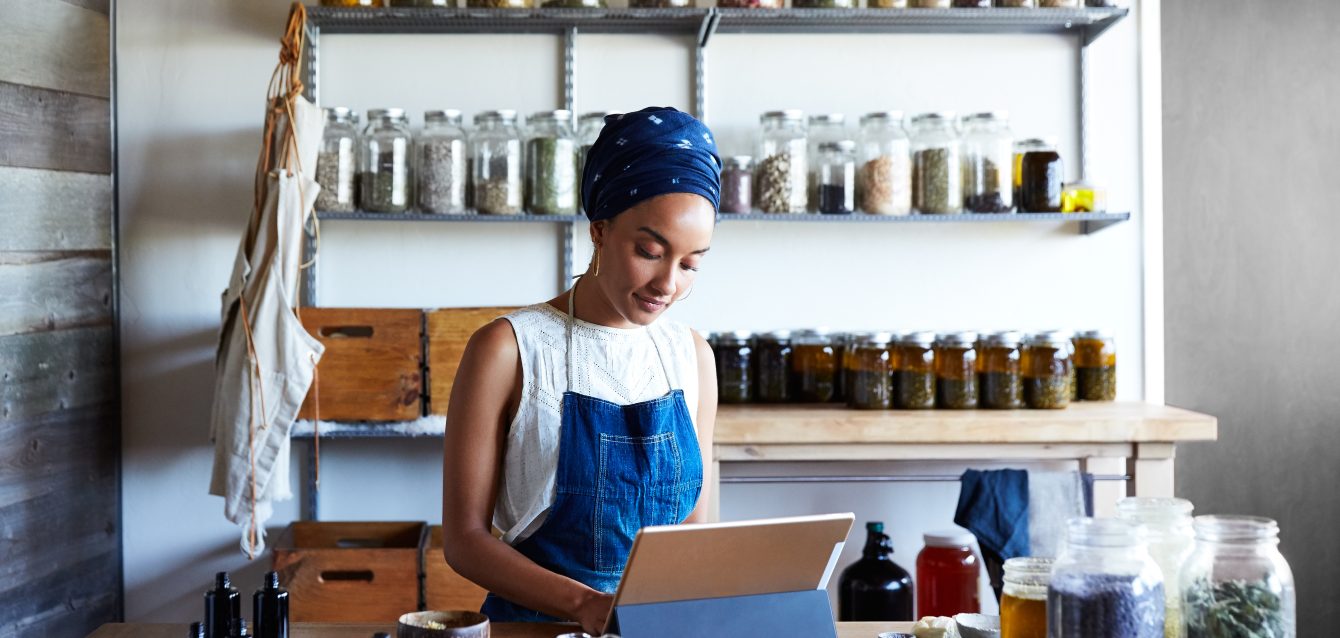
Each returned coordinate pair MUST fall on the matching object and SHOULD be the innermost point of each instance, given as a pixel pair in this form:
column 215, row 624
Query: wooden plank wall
column 60, row 528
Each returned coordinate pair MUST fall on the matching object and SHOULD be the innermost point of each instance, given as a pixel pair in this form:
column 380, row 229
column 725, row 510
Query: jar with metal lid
column 1095, row 366
column 441, row 163
column 1083, row 197
column 814, row 364
column 884, row 182
column 1236, row 582
column 956, row 370
column 1023, row 601
column 737, row 190
column 496, row 147
column 914, row 372
column 823, row 128
column 1104, row 583
column 773, row 378
column 1047, row 369
column 551, row 164
column 1168, row 531
column 988, row 163
column 783, row 168
column 837, row 178
column 1000, row 384
column 869, row 371
column 1020, row 148
column 937, row 173
column 735, row 366
column 386, row 178
column 589, row 126
column 337, row 163
column 1041, row 176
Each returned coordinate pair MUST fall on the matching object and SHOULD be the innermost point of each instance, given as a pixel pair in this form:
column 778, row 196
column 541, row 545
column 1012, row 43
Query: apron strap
column 572, row 296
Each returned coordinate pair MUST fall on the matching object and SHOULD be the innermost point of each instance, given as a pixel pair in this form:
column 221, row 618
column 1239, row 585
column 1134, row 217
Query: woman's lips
column 648, row 305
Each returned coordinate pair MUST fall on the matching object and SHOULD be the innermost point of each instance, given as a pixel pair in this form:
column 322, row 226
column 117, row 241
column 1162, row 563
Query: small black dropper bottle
column 269, row 609
column 223, row 604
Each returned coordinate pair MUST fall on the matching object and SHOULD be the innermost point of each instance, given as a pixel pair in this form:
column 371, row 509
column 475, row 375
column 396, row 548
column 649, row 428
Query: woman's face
column 650, row 254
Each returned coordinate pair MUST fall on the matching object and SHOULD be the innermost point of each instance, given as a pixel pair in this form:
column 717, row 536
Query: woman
column 576, row 422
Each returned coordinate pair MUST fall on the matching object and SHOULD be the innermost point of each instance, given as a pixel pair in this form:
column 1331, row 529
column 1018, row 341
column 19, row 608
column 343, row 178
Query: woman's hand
column 594, row 611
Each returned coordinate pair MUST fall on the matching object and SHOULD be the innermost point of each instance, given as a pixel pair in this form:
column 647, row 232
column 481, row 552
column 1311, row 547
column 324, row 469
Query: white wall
column 193, row 76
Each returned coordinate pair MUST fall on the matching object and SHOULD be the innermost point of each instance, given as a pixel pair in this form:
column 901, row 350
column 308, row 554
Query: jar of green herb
column 551, row 164
column 1000, row 384
column 937, row 177
column 914, row 372
column 1048, row 370
column 956, row 370
column 1236, row 582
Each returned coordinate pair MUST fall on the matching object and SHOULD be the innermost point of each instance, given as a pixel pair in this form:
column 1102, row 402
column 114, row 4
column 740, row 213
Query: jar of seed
column 814, row 363
column 1048, row 370
column 589, row 126
column 337, row 163
column 1020, row 148
column 440, row 151
column 884, row 181
column 937, row 177
column 1096, row 366
column 1042, row 175
column 988, row 163
column 869, row 371
column 956, row 370
column 1000, row 384
column 914, row 372
column 386, row 180
column 837, row 178
column 783, row 168
column 496, row 148
column 735, row 366
column 823, row 128
column 737, row 191
column 551, row 164
column 773, row 368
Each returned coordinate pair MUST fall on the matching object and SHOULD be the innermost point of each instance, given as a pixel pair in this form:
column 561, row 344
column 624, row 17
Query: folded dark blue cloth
column 993, row 505
column 646, row 153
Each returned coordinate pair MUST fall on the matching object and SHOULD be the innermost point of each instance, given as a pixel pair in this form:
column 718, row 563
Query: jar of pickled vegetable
column 884, row 180
column 337, row 163
column 1023, row 601
column 386, row 177
column 823, row 128
column 1000, row 384
column 956, row 370
column 737, row 189
column 937, row 173
column 1095, row 366
column 869, row 367
column 773, row 367
column 914, row 372
column 782, row 171
column 496, row 149
column 1048, row 369
column 988, row 163
column 1043, row 174
column 735, row 366
column 814, row 366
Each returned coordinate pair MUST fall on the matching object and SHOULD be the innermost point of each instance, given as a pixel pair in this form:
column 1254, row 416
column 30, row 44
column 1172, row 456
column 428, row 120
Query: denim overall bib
column 620, row 468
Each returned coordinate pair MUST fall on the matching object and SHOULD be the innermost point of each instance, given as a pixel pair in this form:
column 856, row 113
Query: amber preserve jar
column 1048, row 370
column 1096, row 366
column 869, row 371
column 1000, row 384
column 772, row 367
column 735, row 366
column 956, row 370
column 914, row 372
column 814, row 364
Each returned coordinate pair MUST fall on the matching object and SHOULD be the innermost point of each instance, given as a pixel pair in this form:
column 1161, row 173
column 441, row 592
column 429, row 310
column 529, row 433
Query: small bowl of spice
column 443, row 624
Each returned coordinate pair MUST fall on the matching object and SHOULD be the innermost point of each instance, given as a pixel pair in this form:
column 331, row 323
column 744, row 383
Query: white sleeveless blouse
column 613, row 364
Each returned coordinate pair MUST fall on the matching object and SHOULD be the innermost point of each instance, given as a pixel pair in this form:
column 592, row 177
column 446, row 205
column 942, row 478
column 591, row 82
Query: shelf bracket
column 569, row 231
column 570, row 69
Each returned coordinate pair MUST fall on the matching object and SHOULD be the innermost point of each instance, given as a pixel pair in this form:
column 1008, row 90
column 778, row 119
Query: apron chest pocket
column 638, row 484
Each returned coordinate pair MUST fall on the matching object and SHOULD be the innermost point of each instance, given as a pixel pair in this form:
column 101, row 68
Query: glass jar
column 937, row 174
column 1095, row 366
column 814, row 366
column 1041, row 177
column 772, row 367
column 914, row 372
column 956, row 373
column 1000, row 384
column 1083, row 197
column 884, row 183
column 499, row 4
column 869, row 371
column 441, row 156
column 988, row 163
column 496, row 147
column 735, row 366
column 782, row 171
column 837, row 178
column 823, row 128
column 551, row 164
column 737, row 191
column 1047, row 369
column 1167, row 528
column 1020, row 148
column 1023, row 601
column 1058, row 4
column 1236, row 582
column 337, row 163
column 386, row 179
column 1104, row 584
column 589, row 126
column 947, row 575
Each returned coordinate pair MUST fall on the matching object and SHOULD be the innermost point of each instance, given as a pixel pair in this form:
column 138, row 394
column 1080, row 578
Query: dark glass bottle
column 223, row 604
column 241, row 629
column 270, row 609
column 1043, row 176
column 197, row 630
column 875, row 588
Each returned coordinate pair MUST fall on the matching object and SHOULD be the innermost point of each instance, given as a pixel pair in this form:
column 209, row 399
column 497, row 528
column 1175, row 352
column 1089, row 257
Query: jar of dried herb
column 837, row 178
column 442, row 163
column 782, row 171
column 337, row 163
column 1000, row 383
column 956, row 370
column 496, row 149
column 1048, row 370
column 884, row 181
column 868, row 365
column 814, row 363
column 1104, row 583
column 551, row 164
column 735, row 366
column 1042, row 176
column 1167, row 528
column 773, row 368
column 589, row 126
column 385, row 179
column 823, row 128
column 937, row 177
column 737, row 188
column 1236, row 582
column 1096, row 366
column 914, row 372
column 988, row 163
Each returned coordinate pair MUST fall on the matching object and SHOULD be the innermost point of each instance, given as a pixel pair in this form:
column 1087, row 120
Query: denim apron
column 620, row 468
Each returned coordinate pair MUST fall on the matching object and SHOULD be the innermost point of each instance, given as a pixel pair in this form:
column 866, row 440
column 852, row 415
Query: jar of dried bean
column 737, row 191
column 551, row 164
column 1096, row 366
column 956, row 370
column 884, row 181
column 937, row 177
column 1048, row 370
column 442, row 163
column 869, row 371
column 735, row 366
column 1042, row 176
column 496, row 148
column 386, row 179
column 783, row 168
column 337, row 163
column 773, row 368
column 988, row 163
column 823, row 128
column 814, row 363
column 837, row 178
column 1000, row 384
column 914, row 372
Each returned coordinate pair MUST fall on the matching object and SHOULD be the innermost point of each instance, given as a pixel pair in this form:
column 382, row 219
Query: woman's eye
column 645, row 254
column 689, row 267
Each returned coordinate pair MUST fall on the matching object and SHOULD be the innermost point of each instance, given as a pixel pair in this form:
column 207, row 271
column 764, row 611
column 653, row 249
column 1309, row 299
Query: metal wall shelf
column 467, row 217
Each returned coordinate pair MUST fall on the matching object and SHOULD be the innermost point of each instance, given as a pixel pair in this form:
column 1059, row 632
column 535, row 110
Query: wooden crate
column 350, row 572
column 443, row 588
column 449, row 329
column 373, row 366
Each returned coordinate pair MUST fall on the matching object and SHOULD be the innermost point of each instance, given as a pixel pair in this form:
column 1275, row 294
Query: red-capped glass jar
column 947, row 575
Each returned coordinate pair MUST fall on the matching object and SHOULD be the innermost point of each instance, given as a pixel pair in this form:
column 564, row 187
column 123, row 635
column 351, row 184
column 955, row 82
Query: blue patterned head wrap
column 651, row 152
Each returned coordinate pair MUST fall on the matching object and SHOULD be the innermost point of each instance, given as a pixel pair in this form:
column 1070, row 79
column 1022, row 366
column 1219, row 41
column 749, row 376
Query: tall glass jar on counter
column 823, row 128
column 496, row 148
column 1236, row 582
column 782, row 171
column 869, row 371
column 1042, row 176
column 1000, row 382
column 1048, row 370
column 956, row 370
column 735, row 366
column 1095, row 366
column 814, row 366
column 837, row 178
column 386, row 177
column 937, row 174
column 1023, row 601
column 551, row 164
column 337, row 163
column 1104, row 584
column 589, row 126
column 1166, row 525
column 988, row 163
column 884, row 181
column 773, row 376
column 442, row 163
column 737, row 190
column 914, row 372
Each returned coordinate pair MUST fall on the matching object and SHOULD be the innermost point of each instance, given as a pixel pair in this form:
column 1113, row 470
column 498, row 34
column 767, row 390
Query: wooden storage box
column 443, row 588
column 350, row 572
column 372, row 369
column 449, row 329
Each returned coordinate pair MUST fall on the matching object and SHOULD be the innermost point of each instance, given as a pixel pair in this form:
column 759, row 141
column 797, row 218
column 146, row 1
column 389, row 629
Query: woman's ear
column 599, row 229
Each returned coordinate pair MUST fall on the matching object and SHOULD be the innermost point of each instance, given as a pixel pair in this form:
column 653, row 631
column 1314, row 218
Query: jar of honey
column 735, row 366
column 914, row 372
column 1000, row 384
column 956, row 371
column 1048, row 370
column 772, row 367
column 869, row 371
column 1023, row 602
column 1095, row 366
column 947, row 575
column 814, row 364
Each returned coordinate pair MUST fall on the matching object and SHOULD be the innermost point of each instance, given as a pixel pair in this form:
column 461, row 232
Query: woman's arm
column 484, row 400
column 707, row 420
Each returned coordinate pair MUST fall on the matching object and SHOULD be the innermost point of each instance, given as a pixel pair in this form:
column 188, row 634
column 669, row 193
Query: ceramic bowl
column 977, row 626
column 443, row 624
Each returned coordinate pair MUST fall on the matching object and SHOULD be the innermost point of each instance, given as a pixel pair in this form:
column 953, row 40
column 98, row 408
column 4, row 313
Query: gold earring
column 685, row 296
column 597, row 261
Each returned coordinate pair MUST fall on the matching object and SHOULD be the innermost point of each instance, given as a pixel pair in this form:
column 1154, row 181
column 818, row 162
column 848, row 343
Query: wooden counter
column 501, row 630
